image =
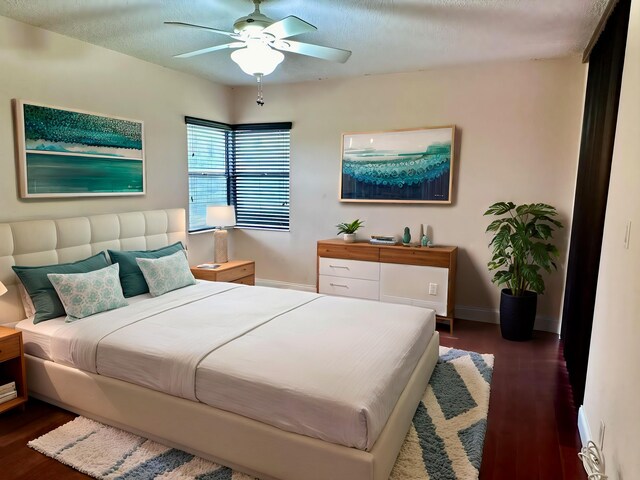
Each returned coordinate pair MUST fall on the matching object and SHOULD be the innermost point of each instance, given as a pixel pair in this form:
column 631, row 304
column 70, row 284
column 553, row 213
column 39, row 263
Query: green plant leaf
column 350, row 227
column 500, row 208
column 495, row 225
column 542, row 231
column 546, row 218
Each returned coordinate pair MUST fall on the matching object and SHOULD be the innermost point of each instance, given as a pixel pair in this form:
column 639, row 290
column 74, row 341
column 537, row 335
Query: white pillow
column 29, row 309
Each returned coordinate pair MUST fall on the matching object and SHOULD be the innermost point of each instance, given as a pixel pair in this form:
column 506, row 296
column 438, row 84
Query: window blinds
column 208, row 178
column 243, row 165
column 260, row 166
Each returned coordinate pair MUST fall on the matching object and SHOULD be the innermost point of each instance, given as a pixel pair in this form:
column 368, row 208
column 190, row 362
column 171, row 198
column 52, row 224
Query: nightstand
column 12, row 366
column 234, row 271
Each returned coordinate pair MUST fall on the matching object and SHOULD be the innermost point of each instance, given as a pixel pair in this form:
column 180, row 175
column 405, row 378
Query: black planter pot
column 517, row 315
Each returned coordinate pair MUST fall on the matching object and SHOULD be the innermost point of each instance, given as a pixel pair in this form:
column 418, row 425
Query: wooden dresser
column 421, row 276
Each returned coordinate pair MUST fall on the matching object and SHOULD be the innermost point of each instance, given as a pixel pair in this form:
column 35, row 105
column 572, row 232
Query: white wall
column 518, row 136
column 45, row 67
column 613, row 381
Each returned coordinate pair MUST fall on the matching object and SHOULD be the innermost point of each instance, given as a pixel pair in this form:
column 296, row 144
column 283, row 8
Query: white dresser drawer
column 349, row 287
column 338, row 267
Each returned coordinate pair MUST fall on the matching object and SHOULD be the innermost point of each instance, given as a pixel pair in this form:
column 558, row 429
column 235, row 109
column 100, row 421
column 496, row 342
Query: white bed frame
column 233, row 440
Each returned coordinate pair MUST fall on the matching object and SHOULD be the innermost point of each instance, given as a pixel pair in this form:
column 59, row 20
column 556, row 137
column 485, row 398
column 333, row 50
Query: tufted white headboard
column 46, row 242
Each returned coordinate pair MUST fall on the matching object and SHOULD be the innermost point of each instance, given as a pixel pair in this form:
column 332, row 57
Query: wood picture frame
column 64, row 152
column 398, row 166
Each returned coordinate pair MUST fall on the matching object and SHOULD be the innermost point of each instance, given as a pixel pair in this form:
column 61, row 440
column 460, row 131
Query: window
column 242, row 165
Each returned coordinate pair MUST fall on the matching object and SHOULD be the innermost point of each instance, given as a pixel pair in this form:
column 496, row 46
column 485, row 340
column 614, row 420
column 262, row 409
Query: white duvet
column 326, row 367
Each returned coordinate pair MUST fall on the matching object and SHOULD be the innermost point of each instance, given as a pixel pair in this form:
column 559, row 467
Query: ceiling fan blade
column 202, row 27
column 289, row 27
column 311, row 50
column 210, row 49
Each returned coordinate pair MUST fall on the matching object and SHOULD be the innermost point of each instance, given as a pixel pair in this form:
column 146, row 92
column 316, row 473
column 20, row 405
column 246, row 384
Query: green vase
column 406, row 238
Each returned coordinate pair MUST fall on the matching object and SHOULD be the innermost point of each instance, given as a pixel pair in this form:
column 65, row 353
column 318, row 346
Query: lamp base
column 220, row 246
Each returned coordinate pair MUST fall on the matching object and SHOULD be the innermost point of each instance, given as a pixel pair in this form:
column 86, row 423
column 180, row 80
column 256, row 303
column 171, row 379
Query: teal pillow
column 39, row 287
column 167, row 273
column 84, row 294
column 131, row 277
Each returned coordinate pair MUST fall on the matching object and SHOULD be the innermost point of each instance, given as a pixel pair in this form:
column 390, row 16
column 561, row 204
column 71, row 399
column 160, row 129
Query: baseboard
column 583, row 426
column 263, row 282
column 488, row 315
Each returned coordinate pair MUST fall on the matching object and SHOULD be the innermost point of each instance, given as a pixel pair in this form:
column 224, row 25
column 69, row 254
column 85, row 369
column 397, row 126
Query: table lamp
column 220, row 217
column 3, row 289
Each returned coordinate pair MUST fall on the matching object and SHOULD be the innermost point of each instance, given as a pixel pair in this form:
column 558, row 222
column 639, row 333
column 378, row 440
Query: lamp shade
column 3, row 289
column 257, row 58
column 221, row 216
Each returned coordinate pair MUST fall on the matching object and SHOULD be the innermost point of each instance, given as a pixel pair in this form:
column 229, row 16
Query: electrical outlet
column 433, row 289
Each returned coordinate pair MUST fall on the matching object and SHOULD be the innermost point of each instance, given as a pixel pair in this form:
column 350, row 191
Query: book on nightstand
column 5, row 397
column 7, row 387
column 208, row 266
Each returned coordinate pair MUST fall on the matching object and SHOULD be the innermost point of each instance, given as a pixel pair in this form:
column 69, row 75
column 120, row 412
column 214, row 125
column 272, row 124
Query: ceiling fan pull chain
column 260, row 100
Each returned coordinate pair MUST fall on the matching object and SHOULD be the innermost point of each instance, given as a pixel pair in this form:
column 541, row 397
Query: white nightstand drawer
column 338, row 267
column 348, row 287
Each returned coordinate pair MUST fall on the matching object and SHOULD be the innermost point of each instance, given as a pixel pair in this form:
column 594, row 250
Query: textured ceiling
column 385, row 35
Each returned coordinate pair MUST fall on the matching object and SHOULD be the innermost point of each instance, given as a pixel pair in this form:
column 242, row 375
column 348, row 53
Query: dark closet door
column 598, row 134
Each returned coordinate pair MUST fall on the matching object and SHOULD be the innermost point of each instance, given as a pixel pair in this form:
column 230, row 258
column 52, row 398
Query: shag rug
column 444, row 443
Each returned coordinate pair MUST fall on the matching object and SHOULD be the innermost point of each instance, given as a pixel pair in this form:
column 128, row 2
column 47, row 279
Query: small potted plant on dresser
column 521, row 249
column 348, row 230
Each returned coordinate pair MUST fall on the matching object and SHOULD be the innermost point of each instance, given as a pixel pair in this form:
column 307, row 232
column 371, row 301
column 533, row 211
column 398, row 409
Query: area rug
column 444, row 443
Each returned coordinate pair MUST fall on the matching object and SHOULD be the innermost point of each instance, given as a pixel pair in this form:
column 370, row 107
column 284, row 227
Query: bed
column 344, row 376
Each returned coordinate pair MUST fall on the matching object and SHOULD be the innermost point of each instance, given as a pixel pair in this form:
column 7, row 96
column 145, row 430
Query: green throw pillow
column 131, row 277
column 84, row 294
column 167, row 273
column 43, row 295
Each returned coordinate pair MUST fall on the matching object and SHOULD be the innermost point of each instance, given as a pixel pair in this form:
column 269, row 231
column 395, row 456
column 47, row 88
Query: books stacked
column 8, row 392
column 383, row 240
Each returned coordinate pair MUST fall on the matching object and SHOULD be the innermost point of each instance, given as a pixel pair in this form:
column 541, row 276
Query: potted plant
column 349, row 230
column 521, row 250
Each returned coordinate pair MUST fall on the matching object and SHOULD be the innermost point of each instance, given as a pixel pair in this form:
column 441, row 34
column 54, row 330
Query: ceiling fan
column 259, row 42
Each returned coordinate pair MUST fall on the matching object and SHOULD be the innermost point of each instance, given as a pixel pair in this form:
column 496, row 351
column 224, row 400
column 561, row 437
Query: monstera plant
column 522, row 251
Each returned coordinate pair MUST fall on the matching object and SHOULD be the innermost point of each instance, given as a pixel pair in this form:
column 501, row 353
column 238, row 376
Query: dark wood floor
column 531, row 430
column 532, row 426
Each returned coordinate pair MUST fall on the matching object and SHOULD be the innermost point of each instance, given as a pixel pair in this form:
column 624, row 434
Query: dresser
column 421, row 276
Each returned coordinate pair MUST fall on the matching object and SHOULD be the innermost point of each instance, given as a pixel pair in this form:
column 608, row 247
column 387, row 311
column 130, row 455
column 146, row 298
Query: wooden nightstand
column 12, row 366
column 234, row 271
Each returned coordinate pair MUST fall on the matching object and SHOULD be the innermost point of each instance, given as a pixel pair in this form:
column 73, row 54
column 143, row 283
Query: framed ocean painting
column 400, row 166
column 71, row 153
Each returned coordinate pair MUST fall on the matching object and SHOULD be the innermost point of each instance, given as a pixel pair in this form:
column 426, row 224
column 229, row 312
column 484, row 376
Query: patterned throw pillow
column 38, row 286
column 84, row 294
column 166, row 273
column 131, row 277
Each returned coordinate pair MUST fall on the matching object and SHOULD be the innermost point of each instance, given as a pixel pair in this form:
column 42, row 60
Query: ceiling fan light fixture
column 257, row 58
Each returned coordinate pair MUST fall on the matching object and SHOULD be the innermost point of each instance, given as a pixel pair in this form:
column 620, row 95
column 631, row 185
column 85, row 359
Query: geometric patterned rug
column 444, row 443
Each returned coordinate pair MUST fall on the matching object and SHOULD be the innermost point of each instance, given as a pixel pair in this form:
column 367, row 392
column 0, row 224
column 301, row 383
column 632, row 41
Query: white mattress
column 326, row 367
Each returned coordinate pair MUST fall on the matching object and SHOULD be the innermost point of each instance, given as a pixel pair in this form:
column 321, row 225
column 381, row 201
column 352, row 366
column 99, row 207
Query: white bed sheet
column 327, row 367
column 37, row 337
column 331, row 369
